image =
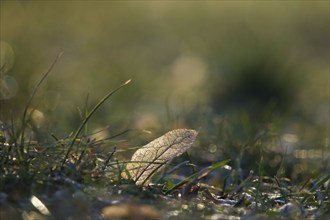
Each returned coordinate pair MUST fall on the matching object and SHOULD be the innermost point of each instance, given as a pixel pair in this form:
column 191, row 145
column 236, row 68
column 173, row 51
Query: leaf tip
column 60, row 54
column 127, row 82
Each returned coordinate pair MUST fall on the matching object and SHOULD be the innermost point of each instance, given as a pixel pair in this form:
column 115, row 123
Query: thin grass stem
column 89, row 115
column 35, row 89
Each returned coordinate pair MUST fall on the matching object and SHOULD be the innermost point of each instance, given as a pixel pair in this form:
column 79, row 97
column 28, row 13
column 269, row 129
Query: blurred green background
column 230, row 69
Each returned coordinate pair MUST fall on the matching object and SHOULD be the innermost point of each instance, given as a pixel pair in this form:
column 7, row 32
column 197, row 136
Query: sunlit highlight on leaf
column 39, row 205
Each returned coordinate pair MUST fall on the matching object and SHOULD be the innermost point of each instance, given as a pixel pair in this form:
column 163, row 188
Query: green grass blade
column 315, row 187
column 188, row 179
column 89, row 115
column 35, row 89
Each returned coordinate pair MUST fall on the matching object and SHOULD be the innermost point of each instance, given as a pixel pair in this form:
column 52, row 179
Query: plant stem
column 89, row 115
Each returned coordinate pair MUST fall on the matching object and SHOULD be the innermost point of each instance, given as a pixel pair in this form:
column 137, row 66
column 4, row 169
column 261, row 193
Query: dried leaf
column 39, row 205
column 153, row 156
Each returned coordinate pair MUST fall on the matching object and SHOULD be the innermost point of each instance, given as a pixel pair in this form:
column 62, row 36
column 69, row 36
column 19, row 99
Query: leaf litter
column 152, row 157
